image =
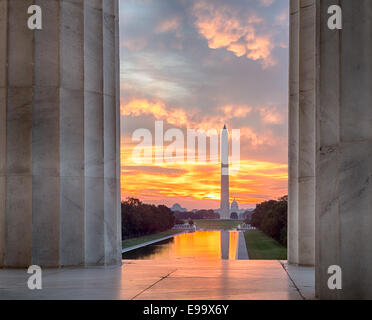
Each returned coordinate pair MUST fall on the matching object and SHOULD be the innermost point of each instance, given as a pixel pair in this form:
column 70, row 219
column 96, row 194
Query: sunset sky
column 198, row 65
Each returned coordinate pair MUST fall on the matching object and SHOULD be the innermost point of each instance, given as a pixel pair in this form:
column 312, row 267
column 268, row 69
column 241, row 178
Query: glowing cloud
column 197, row 65
column 179, row 117
column 171, row 24
column 223, row 28
column 239, row 49
column 194, row 181
column 259, row 48
column 138, row 107
column 266, row 3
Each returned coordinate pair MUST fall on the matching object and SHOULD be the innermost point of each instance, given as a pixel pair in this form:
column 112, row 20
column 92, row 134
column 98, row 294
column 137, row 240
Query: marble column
column 301, row 188
column 344, row 151
column 59, row 134
column 3, row 96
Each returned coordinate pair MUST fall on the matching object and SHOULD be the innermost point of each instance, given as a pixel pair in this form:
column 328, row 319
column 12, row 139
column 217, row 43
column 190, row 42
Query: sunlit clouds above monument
column 199, row 65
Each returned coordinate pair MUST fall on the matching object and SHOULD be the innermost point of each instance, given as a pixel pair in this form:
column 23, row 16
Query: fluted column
column 344, row 151
column 3, row 99
column 339, row 63
column 302, row 105
column 59, row 134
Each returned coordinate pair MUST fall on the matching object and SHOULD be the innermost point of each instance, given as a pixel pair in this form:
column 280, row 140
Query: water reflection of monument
column 225, row 242
column 229, row 245
column 213, row 244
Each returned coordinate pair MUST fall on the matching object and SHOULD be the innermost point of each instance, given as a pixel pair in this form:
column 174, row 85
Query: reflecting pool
column 199, row 244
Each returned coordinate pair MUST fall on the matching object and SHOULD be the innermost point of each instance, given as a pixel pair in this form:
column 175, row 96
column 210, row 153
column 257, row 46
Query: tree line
column 271, row 218
column 197, row 215
column 204, row 214
column 139, row 219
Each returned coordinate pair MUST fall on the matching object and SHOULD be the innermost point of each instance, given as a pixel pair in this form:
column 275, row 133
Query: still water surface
column 200, row 244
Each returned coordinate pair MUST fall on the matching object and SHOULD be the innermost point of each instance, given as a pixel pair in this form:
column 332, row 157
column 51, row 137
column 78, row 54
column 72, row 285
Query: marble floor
column 167, row 280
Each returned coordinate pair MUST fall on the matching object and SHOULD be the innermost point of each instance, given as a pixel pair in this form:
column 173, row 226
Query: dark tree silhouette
column 200, row 214
column 271, row 218
column 141, row 219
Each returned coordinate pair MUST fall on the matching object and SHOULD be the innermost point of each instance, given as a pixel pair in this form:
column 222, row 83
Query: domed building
column 234, row 210
column 234, row 207
column 177, row 208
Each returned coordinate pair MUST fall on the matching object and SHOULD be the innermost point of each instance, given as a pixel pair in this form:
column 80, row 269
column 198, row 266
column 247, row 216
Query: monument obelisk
column 225, row 205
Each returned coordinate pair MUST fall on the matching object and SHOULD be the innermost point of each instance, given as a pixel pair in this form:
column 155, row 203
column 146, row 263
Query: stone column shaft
column 344, row 151
column 3, row 103
column 301, row 213
column 59, row 134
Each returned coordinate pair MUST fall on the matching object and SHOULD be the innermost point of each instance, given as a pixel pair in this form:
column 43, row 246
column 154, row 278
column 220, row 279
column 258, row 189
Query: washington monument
column 225, row 205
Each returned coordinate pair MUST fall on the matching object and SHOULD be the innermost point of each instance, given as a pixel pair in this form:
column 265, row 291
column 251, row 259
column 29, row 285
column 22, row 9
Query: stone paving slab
column 167, row 280
column 303, row 277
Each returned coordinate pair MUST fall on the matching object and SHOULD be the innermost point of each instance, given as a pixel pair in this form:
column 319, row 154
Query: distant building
column 177, row 207
column 235, row 208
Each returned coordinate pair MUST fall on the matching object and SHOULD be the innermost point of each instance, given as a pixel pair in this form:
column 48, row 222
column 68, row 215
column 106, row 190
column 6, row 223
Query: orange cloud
column 134, row 44
column 175, row 116
column 138, row 107
column 179, row 117
column 223, row 28
column 259, row 48
column 271, row 115
column 171, row 24
column 238, row 48
column 283, row 19
column 199, row 183
column 236, row 111
column 182, row 119
column 269, row 139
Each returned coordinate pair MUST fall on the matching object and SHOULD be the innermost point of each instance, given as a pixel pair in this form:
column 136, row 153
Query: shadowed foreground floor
column 167, row 280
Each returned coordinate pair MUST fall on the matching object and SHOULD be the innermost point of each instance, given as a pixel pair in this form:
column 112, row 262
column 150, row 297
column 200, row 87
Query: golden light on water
column 206, row 245
column 202, row 245
column 233, row 245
